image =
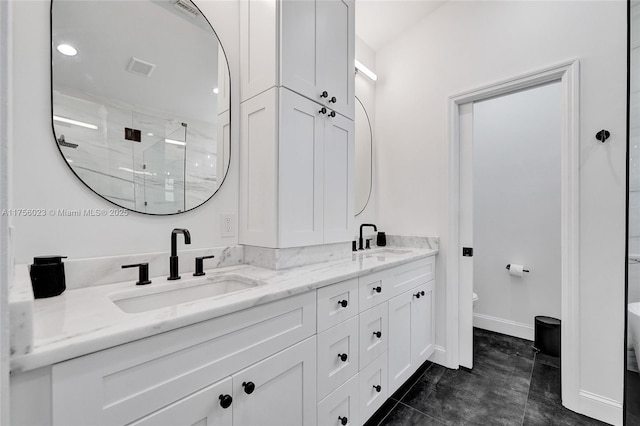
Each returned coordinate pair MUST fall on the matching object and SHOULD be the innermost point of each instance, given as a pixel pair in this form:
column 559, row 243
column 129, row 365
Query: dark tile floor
column 510, row 384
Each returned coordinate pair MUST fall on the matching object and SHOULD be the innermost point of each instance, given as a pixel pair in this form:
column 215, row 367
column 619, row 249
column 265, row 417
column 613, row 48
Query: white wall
column 5, row 248
column 466, row 45
column 365, row 90
column 516, row 209
column 634, row 157
column 41, row 178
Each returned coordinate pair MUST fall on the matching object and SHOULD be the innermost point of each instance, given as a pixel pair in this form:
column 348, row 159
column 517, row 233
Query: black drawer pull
column 324, row 94
column 343, row 420
column 249, row 387
column 343, row 303
column 378, row 388
column 343, row 357
column 378, row 334
column 225, row 401
column 377, row 289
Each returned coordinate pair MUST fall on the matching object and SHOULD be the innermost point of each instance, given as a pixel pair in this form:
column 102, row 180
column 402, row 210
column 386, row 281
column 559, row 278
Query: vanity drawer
column 331, row 301
column 373, row 323
column 373, row 386
column 344, row 402
column 335, row 344
column 410, row 275
column 374, row 289
column 127, row 382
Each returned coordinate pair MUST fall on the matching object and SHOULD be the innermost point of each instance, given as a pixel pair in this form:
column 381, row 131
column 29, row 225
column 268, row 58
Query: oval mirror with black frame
column 363, row 158
column 140, row 101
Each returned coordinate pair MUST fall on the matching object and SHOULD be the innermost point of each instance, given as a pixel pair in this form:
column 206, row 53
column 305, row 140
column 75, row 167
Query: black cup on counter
column 381, row 241
column 47, row 276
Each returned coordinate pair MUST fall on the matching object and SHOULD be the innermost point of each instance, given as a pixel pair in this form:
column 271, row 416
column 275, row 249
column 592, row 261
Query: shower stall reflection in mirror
column 632, row 371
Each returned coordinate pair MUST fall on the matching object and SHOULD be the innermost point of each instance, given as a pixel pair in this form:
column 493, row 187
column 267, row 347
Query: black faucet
column 173, row 259
column 375, row 228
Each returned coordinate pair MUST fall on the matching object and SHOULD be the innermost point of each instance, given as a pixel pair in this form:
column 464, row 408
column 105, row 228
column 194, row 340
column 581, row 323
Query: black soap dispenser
column 47, row 276
column 381, row 241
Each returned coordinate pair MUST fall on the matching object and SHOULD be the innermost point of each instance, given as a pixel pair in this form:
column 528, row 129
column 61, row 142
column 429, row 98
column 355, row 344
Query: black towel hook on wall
column 603, row 135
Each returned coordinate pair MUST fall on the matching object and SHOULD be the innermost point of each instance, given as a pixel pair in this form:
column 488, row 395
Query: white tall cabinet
column 297, row 130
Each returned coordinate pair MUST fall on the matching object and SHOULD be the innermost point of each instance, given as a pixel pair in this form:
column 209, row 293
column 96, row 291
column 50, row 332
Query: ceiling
column 107, row 34
column 380, row 21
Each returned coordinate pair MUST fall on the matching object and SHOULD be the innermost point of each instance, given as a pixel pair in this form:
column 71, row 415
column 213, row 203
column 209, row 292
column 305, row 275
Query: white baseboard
column 499, row 325
column 439, row 356
column 601, row 408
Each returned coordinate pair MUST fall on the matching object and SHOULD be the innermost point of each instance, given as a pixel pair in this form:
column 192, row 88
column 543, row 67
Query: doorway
column 459, row 268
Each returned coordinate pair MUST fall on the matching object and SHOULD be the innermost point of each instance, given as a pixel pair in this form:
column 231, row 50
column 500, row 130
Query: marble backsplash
column 106, row 270
column 284, row 258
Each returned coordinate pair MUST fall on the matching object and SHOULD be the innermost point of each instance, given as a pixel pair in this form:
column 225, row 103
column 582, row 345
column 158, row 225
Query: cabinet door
column 343, row 404
column 373, row 333
column 300, row 171
column 278, row 391
column 335, row 20
column 339, row 145
column 337, row 356
column 400, row 367
column 298, row 54
column 422, row 323
column 373, row 386
column 201, row 408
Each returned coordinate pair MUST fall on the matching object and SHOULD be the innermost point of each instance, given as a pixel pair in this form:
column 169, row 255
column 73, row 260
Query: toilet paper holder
column 509, row 268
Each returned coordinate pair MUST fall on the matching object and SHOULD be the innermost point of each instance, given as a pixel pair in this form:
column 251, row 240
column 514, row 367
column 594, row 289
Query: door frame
column 567, row 74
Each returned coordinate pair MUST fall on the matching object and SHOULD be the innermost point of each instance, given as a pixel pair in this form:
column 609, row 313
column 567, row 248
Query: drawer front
column 373, row 386
column 374, row 333
column 411, row 275
column 127, row 382
column 332, row 300
column 344, row 402
column 333, row 343
column 202, row 408
column 374, row 289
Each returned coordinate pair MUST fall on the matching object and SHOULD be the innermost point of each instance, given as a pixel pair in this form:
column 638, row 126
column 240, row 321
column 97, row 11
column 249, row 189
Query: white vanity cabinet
column 392, row 334
column 297, row 139
column 161, row 376
column 307, row 46
column 297, row 172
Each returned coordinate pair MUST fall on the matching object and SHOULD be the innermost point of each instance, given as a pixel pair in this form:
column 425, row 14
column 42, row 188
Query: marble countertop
column 85, row 320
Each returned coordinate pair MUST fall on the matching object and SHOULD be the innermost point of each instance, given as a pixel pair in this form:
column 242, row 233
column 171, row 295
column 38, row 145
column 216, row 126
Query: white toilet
column 475, row 299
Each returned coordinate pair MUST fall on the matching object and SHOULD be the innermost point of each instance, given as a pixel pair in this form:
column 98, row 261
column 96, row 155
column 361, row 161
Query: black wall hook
column 603, row 135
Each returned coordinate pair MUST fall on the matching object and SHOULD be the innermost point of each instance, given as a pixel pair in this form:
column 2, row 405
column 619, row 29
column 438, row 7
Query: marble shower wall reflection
column 152, row 175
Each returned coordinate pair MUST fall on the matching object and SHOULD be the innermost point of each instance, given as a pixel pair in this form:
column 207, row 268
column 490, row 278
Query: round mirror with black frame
column 140, row 101
column 363, row 158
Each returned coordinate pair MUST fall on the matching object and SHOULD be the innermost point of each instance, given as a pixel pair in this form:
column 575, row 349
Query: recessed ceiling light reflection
column 67, row 49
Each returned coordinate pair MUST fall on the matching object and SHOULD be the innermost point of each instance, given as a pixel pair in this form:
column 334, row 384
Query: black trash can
column 547, row 335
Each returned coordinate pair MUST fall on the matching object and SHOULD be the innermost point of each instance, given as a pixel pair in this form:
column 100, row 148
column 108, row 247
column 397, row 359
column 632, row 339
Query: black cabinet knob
column 417, row 295
column 378, row 334
column 422, row 293
column 378, row 388
column 332, row 114
column 343, row 420
column 343, row 303
column 343, row 357
column 323, row 110
column 377, row 289
column 324, row 94
column 249, row 387
column 225, row 401
column 333, row 100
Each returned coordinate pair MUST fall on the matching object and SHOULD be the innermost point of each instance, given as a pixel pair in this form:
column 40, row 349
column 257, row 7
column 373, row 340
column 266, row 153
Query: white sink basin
column 173, row 293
